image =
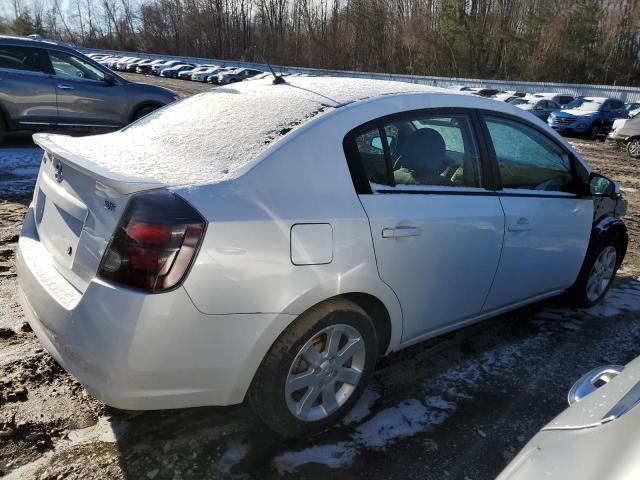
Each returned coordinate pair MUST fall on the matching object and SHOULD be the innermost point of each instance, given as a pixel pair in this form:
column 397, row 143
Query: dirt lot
column 457, row 407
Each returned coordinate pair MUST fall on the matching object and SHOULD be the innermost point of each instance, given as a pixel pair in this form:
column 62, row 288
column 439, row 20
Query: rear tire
column 633, row 148
column 328, row 353
column 598, row 271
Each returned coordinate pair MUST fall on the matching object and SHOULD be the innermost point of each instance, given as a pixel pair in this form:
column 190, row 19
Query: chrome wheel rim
column 634, row 148
column 325, row 372
column 601, row 273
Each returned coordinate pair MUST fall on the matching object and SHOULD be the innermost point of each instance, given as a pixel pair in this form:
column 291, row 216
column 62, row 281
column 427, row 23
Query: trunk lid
column 77, row 207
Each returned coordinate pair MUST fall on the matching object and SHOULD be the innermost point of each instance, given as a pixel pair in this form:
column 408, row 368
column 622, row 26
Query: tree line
column 580, row 41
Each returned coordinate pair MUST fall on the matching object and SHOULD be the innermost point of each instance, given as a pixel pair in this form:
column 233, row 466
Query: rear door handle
column 64, row 86
column 521, row 225
column 399, row 232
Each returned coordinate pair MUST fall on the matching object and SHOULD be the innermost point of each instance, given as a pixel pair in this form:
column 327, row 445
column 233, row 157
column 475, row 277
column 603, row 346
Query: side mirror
column 109, row 79
column 602, row 186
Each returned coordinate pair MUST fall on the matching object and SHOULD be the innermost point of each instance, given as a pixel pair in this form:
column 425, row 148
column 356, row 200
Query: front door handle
column 521, row 225
column 399, row 232
column 64, row 86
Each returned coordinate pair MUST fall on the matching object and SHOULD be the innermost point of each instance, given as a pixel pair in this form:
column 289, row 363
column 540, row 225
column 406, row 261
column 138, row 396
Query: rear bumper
column 139, row 351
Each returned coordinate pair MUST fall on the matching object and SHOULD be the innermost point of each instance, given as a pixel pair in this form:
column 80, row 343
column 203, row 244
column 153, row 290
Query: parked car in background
column 485, row 92
column 172, row 72
column 237, row 75
column 119, row 66
column 146, row 68
column 590, row 116
column 73, row 91
column 130, row 64
column 132, row 67
column 114, row 61
column 539, row 107
column 506, row 96
column 203, row 75
column 158, row 67
column 187, row 74
column 626, row 133
column 155, row 301
column 562, row 99
column 595, row 438
column 633, row 108
column 460, row 88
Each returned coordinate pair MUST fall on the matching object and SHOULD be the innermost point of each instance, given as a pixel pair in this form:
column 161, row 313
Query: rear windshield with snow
column 215, row 136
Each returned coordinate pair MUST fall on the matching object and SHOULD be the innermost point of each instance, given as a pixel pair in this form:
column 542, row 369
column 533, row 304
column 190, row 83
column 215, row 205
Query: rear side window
column 22, row 58
column 615, row 104
column 527, row 159
column 420, row 150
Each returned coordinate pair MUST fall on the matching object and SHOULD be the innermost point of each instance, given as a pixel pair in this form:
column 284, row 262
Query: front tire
column 600, row 265
column 633, row 148
column 316, row 370
column 593, row 132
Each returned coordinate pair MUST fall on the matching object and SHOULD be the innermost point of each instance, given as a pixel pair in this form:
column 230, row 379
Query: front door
column 84, row 96
column 437, row 232
column 547, row 225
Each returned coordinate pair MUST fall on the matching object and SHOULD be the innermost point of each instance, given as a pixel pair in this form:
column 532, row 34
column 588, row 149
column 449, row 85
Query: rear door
column 27, row 91
column 83, row 95
column 437, row 232
column 547, row 224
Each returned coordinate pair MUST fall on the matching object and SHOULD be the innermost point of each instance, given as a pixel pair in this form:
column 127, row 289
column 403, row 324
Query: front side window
column 22, row 58
column 420, row 150
column 70, row 66
column 527, row 159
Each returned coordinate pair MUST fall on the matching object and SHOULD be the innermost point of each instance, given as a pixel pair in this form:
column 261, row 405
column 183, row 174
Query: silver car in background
column 596, row 438
column 52, row 87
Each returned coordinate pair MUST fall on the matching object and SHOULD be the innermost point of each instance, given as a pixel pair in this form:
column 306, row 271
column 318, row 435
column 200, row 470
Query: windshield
column 519, row 101
column 584, row 104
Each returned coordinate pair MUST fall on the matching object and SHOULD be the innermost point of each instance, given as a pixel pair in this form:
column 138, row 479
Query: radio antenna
column 277, row 79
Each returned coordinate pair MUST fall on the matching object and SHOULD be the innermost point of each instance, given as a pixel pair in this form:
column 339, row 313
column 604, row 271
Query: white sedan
column 272, row 241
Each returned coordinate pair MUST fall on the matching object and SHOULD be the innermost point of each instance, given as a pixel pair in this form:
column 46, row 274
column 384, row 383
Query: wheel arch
column 141, row 105
column 611, row 225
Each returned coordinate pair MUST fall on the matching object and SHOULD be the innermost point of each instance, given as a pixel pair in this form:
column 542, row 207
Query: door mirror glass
column 602, row 186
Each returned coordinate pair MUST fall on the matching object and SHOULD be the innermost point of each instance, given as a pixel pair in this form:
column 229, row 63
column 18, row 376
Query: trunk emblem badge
column 69, row 250
column 58, row 174
column 109, row 205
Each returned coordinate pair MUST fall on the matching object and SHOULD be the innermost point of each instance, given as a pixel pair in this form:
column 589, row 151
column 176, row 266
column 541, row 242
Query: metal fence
column 626, row 94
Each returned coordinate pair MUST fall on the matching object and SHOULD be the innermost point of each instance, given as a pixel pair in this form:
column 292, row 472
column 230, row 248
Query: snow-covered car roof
column 215, row 136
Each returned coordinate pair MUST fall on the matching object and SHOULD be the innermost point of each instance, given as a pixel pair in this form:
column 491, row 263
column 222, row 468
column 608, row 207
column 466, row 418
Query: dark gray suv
column 45, row 86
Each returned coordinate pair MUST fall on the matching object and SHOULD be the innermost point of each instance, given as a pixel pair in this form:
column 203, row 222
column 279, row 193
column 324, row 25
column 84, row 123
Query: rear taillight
column 154, row 244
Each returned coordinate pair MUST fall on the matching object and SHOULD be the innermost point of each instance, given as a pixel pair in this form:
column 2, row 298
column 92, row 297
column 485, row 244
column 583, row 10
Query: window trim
column 359, row 174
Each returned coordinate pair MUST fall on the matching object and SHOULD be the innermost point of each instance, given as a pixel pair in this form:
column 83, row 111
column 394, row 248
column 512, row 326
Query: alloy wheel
column 601, row 273
column 325, row 372
column 634, row 148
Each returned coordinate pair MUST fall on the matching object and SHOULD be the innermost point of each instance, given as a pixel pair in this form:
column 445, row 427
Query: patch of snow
column 18, row 170
column 362, row 408
column 232, row 456
column 618, row 300
column 628, row 189
column 334, row 455
column 218, row 135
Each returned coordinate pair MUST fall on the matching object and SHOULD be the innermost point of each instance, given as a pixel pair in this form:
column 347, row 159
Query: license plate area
column 59, row 219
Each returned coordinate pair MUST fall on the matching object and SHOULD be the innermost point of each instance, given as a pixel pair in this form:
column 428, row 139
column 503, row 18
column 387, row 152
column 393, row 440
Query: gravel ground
column 459, row 406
